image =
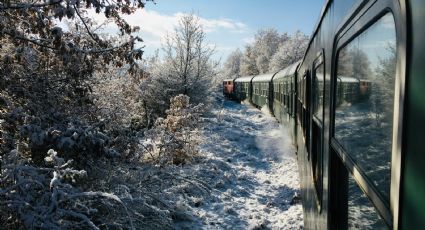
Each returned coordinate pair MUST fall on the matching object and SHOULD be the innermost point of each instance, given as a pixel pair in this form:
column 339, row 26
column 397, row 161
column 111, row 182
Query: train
column 228, row 87
column 355, row 108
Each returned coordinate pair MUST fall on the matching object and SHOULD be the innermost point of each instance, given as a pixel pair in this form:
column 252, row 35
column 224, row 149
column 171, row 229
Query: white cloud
column 213, row 25
column 154, row 26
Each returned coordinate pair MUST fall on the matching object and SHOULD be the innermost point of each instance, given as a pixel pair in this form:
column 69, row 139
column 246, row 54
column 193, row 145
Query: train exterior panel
column 243, row 88
column 263, row 90
column 284, row 97
column 412, row 158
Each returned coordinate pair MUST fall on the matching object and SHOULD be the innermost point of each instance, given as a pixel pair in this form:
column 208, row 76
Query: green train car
column 355, row 105
column 284, row 97
column 261, row 90
column 243, row 88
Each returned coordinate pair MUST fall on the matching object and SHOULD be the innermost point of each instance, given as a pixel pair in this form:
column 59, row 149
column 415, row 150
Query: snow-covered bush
column 118, row 102
column 74, row 140
column 46, row 197
column 173, row 140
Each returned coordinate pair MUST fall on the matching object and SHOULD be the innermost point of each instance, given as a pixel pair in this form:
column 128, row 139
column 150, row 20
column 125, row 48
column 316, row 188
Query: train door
column 364, row 135
column 318, row 92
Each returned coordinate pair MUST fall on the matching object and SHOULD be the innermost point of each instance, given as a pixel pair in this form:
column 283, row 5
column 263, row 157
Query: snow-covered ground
column 249, row 167
column 245, row 177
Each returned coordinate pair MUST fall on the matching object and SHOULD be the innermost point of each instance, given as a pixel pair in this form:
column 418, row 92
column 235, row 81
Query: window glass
column 365, row 100
column 343, row 7
column 318, row 91
column 361, row 213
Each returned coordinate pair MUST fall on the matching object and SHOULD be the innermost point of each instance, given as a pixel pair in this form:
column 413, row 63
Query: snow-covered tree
column 187, row 68
column 232, row 66
column 289, row 51
column 34, row 25
column 47, row 67
column 266, row 44
column 249, row 64
column 382, row 96
column 272, row 51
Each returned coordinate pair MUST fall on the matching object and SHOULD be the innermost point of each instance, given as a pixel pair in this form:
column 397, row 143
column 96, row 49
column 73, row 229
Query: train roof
column 228, row 79
column 263, row 77
column 288, row 71
column 244, row 79
column 317, row 26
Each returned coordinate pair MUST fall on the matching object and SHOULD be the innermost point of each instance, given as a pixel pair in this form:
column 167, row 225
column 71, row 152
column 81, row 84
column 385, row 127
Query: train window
column 262, row 89
column 281, row 92
column 276, row 94
column 291, row 98
column 318, row 92
column 365, row 101
column 317, row 126
column 361, row 213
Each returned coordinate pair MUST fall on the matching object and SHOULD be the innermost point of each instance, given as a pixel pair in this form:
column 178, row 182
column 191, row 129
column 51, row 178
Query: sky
column 229, row 24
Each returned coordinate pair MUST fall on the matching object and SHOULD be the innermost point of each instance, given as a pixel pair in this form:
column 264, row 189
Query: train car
column 360, row 138
column 243, row 88
column 351, row 90
column 228, row 88
column 262, row 87
column 284, row 97
column 284, row 85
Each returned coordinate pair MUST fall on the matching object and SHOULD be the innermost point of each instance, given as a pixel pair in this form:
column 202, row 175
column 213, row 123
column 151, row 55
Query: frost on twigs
column 46, row 197
column 173, row 140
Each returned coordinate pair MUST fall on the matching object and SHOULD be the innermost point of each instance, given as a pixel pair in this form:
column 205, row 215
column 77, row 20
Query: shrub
column 173, row 139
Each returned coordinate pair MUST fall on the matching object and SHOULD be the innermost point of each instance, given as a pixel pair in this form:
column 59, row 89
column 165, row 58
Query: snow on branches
column 270, row 52
column 173, row 139
column 187, row 68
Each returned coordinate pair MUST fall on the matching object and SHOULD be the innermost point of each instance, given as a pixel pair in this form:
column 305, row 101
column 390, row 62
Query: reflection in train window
column 365, row 100
column 361, row 213
column 318, row 92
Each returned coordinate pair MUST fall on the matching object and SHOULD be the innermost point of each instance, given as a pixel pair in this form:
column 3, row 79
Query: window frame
column 320, row 60
column 319, row 191
column 363, row 20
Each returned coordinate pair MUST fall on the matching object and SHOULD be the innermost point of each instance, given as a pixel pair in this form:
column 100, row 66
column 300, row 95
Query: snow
column 245, row 176
column 264, row 77
column 250, row 165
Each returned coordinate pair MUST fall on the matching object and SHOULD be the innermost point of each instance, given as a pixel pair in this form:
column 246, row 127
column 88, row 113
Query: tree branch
column 27, row 6
column 85, row 25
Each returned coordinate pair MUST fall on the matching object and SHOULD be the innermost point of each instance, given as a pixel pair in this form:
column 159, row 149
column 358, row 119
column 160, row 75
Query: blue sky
column 229, row 24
